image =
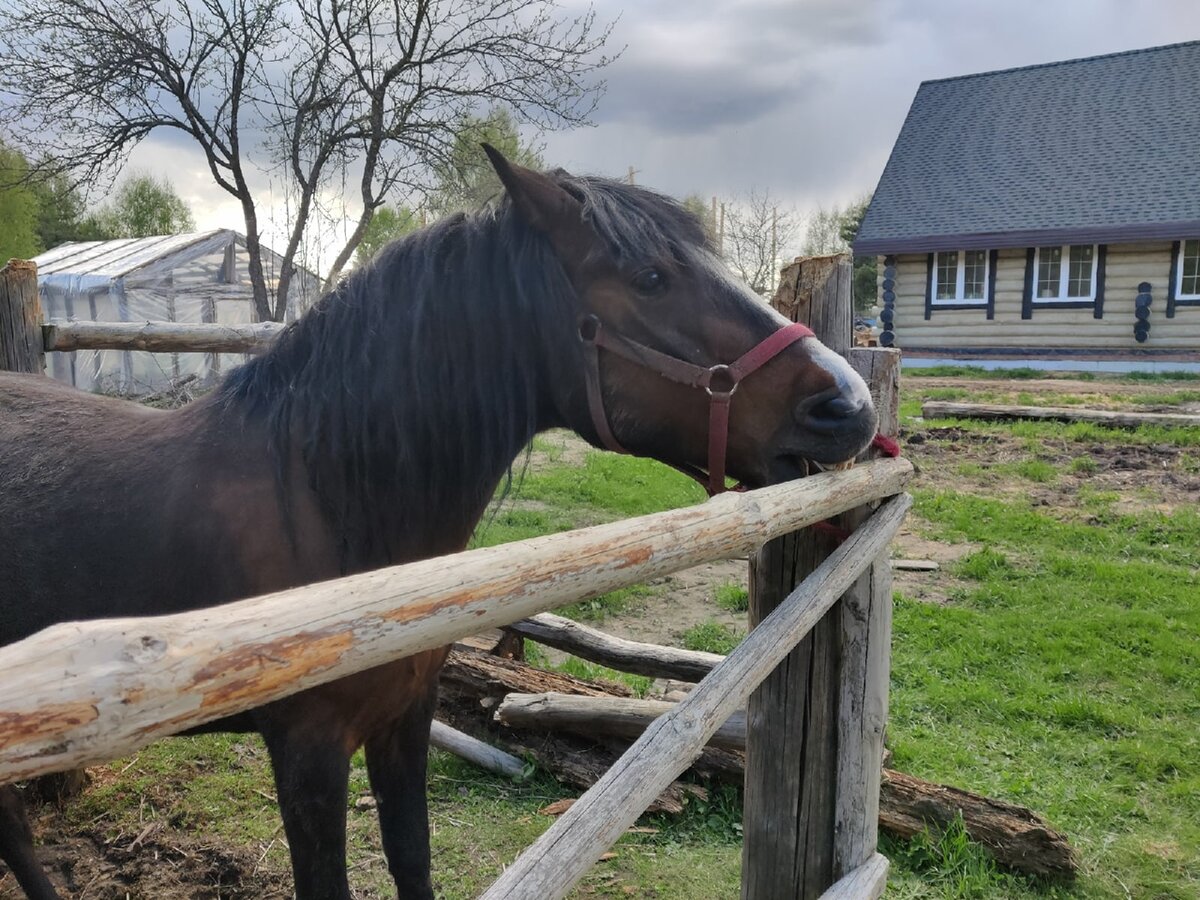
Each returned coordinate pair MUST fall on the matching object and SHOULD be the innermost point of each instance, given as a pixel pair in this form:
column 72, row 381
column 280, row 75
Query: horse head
column 673, row 356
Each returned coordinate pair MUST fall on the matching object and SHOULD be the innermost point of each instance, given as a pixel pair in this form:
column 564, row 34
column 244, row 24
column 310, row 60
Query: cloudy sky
column 800, row 97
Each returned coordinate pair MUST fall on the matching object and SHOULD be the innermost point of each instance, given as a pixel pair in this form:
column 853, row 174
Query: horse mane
column 411, row 386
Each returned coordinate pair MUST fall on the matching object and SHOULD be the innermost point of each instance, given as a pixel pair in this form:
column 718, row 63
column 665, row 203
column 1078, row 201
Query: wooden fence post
column 815, row 727
column 20, row 319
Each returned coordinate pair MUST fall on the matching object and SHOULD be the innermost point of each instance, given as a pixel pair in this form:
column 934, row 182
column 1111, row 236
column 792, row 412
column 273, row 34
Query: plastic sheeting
column 181, row 278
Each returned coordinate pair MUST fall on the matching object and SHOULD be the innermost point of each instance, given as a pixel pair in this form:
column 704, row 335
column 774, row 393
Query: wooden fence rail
column 159, row 337
column 560, row 857
column 79, row 693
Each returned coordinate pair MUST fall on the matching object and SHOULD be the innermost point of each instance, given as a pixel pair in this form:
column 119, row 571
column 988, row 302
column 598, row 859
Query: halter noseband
column 720, row 381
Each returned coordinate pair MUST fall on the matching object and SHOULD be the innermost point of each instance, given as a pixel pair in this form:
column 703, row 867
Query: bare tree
column 823, row 234
column 331, row 93
column 757, row 235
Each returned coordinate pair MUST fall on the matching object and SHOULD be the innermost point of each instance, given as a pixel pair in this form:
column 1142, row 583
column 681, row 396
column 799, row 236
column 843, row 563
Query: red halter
column 720, row 381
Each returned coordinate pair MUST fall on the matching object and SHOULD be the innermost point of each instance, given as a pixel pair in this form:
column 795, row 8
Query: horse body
column 375, row 431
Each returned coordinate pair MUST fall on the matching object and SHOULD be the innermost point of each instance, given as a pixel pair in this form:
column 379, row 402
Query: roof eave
column 998, row 240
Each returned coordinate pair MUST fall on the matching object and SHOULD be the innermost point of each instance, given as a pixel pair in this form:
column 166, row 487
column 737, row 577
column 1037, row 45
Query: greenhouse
column 199, row 277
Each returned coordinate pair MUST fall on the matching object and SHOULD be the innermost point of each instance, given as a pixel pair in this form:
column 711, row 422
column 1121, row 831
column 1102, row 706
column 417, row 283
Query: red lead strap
column 720, row 381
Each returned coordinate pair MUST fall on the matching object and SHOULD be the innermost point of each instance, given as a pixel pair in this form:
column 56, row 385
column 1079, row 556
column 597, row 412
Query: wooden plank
column 620, row 716
column 560, row 857
column 79, row 693
column 864, row 656
column 1112, row 418
column 475, row 751
column 20, row 315
column 616, row 653
column 914, row 565
column 864, row 883
column 159, row 337
column 791, row 792
column 1014, row 835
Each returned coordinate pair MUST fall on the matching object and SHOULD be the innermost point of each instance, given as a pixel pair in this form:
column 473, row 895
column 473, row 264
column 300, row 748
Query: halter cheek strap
column 719, row 381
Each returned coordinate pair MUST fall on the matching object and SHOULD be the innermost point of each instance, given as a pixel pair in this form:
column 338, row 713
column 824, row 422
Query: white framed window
column 959, row 276
column 1065, row 274
column 1188, row 285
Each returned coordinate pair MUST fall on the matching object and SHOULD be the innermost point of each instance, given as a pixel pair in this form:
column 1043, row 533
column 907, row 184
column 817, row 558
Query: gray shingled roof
column 1095, row 149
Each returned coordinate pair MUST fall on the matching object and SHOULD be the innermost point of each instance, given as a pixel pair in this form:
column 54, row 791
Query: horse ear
column 541, row 202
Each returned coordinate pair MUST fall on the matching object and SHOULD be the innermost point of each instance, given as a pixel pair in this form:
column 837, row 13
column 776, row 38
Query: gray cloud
column 800, row 97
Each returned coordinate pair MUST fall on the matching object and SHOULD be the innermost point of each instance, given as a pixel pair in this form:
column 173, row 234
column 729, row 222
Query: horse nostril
column 839, row 407
column 831, row 412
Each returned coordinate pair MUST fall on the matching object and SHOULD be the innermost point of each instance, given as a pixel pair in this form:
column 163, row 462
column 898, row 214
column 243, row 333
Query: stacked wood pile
column 574, row 729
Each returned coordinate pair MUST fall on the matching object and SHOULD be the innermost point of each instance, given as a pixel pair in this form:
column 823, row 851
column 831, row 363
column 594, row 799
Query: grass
column 1066, row 677
column 733, row 597
column 712, row 637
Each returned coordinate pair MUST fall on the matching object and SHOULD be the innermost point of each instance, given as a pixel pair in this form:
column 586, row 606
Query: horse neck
column 403, row 429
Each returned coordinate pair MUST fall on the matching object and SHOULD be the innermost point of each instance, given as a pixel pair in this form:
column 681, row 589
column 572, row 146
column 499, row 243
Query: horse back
column 109, row 508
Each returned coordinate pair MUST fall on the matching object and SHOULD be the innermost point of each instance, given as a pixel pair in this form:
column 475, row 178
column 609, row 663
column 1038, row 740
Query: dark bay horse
column 375, row 431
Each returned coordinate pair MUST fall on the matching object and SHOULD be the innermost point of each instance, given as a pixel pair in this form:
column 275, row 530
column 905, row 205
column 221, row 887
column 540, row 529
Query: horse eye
column 650, row 282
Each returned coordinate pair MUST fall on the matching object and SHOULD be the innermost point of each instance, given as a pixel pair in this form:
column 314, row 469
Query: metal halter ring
column 589, row 329
column 725, row 371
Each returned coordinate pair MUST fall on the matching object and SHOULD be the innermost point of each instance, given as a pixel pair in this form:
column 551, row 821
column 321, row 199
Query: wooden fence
column 814, row 669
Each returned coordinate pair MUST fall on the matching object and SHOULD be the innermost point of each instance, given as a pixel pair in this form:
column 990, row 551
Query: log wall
column 1126, row 267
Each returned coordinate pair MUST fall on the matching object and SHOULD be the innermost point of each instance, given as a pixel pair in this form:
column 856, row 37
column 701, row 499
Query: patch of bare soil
column 686, row 599
column 936, row 586
column 159, row 864
column 1096, row 395
column 1142, row 477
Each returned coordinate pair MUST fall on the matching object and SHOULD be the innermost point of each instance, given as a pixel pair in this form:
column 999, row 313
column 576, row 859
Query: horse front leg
column 16, row 847
column 312, row 776
column 396, row 763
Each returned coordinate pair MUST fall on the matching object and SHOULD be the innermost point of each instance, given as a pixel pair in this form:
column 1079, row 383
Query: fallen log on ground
column 1014, row 835
column 616, row 653
column 1111, row 418
column 473, row 750
column 480, row 675
column 617, row 716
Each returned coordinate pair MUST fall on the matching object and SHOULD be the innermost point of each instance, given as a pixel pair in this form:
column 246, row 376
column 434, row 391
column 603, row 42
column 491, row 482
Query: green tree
column 865, row 267
column 18, row 208
column 696, row 205
column 388, row 224
column 465, row 180
column 143, row 206
column 60, row 211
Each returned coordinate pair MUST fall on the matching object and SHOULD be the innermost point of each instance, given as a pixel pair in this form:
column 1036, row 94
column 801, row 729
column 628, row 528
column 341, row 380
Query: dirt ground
column 163, row 862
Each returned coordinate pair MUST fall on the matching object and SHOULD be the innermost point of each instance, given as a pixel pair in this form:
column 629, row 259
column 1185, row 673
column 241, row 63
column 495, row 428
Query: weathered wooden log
column 159, row 337
column 473, row 750
column 576, row 762
column 616, row 653
column 864, row 654
column 481, row 676
column 80, row 693
column 603, row 715
column 815, row 725
column 1112, row 418
column 551, row 866
column 20, row 316
column 1014, row 835
column 864, row 883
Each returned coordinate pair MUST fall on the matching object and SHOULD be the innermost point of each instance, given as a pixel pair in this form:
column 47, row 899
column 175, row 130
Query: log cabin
column 1048, row 214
